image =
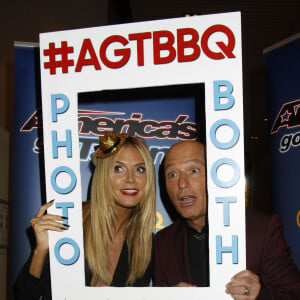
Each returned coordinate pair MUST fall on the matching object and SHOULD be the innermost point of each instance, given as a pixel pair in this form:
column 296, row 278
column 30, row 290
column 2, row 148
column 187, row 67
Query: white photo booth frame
column 200, row 49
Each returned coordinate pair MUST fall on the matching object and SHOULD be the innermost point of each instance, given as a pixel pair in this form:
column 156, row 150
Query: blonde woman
column 118, row 222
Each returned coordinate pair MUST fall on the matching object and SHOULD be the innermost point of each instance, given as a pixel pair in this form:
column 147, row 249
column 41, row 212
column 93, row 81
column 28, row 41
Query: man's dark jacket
column 267, row 255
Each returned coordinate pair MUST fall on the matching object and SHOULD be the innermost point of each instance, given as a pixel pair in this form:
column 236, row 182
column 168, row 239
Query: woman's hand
column 41, row 223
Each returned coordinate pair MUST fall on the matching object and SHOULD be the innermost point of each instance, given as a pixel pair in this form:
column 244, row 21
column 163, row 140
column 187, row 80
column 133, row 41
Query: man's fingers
column 246, row 274
column 244, row 285
column 244, row 281
column 184, row 284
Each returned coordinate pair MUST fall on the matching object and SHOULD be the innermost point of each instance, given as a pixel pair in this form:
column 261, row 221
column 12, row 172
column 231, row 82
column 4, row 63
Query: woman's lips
column 129, row 192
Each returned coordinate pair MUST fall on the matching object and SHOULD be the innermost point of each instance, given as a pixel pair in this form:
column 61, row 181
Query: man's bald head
column 185, row 176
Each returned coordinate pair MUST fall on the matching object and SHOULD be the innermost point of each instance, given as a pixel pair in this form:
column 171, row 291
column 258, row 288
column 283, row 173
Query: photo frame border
column 222, row 78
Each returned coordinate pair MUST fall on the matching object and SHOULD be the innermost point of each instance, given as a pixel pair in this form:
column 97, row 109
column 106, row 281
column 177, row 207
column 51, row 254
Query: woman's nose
column 130, row 177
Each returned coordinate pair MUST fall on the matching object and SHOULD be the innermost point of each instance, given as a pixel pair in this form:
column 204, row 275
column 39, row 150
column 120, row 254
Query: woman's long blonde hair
column 99, row 218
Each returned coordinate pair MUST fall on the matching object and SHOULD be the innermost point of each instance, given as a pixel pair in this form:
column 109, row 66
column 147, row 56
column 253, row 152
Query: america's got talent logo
column 288, row 117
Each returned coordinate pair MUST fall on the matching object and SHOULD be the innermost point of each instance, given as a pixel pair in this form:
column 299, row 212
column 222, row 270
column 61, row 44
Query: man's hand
column 184, row 284
column 244, row 285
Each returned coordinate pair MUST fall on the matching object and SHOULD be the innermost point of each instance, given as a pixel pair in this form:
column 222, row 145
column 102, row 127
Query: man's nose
column 183, row 181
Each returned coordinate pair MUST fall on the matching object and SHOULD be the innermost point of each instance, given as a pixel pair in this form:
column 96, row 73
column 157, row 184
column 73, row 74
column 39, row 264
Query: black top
column 198, row 256
column 28, row 287
column 122, row 271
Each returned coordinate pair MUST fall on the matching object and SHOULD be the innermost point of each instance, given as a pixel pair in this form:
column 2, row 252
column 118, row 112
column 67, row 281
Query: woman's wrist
column 37, row 262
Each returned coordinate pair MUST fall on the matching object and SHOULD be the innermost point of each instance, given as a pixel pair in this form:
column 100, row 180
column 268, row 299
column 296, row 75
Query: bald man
column 181, row 249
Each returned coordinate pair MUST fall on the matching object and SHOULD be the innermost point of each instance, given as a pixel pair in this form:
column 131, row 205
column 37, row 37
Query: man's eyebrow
column 167, row 166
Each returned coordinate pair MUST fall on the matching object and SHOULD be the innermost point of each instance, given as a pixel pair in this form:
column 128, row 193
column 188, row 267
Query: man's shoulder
column 259, row 225
column 257, row 217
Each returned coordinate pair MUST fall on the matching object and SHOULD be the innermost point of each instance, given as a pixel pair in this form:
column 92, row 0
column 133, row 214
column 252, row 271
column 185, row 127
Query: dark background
column 263, row 24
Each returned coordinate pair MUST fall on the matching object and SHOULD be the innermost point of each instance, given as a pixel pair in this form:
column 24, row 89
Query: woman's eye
column 118, row 169
column 141, row 169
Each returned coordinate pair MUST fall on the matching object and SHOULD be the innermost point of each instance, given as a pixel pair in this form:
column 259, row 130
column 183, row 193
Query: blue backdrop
column 283, row 73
